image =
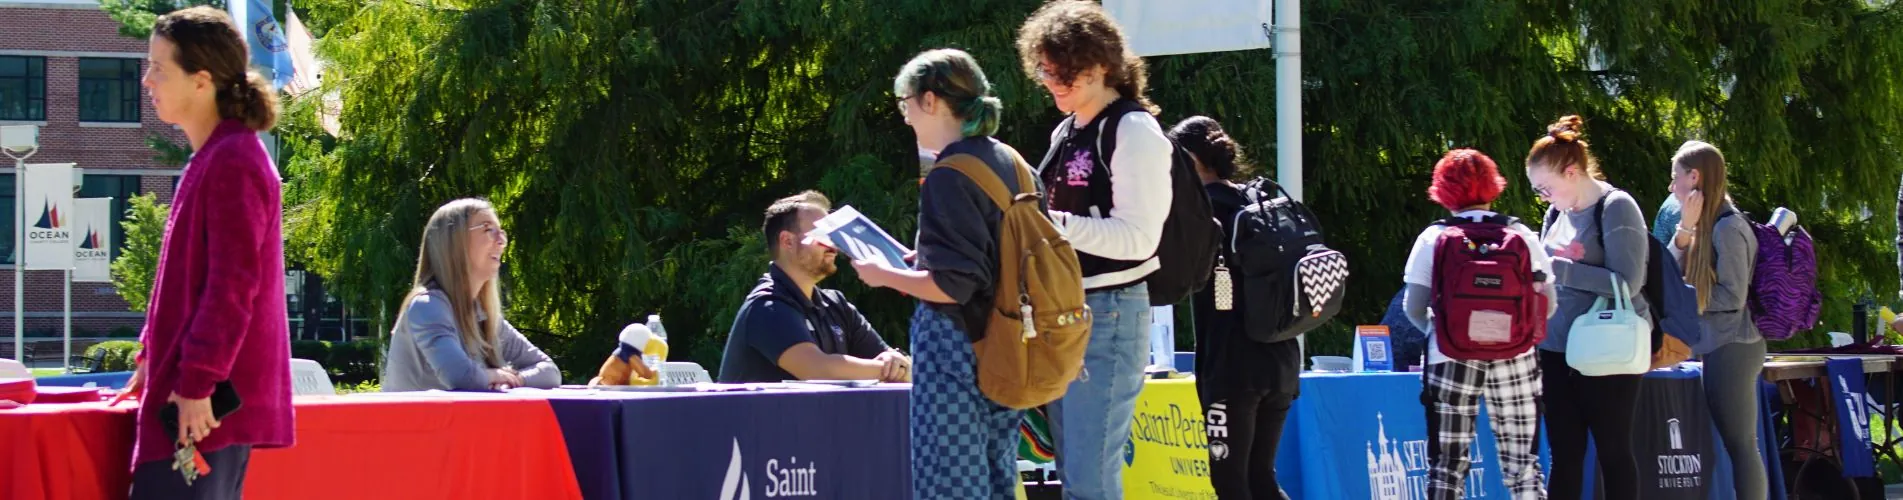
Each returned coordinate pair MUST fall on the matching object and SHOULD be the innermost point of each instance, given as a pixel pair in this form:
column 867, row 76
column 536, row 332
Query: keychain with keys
column 189, row 464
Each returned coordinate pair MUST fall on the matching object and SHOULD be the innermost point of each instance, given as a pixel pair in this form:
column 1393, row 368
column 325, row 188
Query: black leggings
column 1577, row 404
column 1245, row 428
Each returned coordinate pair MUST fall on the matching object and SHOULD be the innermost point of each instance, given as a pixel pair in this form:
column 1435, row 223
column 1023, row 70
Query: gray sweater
column 1727, row 320
column 1619, row 251
column 426, row 352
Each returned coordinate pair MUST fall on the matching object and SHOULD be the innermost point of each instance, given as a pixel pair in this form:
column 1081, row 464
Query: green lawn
column 45, row 372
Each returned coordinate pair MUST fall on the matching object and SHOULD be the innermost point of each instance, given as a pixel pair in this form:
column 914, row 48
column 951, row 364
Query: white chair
column 14, row 369
column 683, row 373
column 309, row 378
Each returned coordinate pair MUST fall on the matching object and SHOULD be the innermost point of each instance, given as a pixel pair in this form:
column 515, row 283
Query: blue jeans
column 964, row 446
column 1091, row 423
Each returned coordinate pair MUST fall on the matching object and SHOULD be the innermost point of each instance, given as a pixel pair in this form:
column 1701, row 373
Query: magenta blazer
column 217, row 310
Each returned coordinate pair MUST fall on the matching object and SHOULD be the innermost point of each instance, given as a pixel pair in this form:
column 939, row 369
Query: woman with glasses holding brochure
column 963, row 444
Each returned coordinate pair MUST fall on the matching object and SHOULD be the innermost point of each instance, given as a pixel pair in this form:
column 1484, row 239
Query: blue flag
column 1853, row 416
column 270, row 53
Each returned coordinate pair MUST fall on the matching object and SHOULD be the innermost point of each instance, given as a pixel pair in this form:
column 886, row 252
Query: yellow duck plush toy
column 625, row 367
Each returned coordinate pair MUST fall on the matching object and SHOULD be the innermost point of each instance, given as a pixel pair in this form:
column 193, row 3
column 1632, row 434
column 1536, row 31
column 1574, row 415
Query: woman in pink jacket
column 217, row 314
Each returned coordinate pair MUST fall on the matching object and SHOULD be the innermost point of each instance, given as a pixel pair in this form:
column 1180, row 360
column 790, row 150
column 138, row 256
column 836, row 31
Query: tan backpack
column 1033, row 345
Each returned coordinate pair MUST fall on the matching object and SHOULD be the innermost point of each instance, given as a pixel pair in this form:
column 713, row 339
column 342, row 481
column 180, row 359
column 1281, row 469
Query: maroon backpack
column 1485, row 307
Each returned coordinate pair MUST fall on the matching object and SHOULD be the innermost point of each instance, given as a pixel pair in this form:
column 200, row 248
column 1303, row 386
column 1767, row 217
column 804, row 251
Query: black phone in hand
column 224, row 401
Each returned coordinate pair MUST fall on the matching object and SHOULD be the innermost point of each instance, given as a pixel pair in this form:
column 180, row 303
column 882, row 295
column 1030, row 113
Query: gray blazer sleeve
column 1626, row 249
column 535, row 367
column 433, row 327
column 1736, row 250
column 1416, row 306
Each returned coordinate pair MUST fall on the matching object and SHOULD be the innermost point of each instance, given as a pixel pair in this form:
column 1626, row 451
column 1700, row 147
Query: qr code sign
column 1377, row 352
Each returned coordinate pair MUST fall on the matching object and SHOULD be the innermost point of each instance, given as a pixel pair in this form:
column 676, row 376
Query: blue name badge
column 1373, row 351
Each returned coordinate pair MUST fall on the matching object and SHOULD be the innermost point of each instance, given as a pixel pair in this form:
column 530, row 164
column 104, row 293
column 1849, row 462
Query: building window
column 108, row 90
column 7, row 219
column 120, row 188
column 23, row 88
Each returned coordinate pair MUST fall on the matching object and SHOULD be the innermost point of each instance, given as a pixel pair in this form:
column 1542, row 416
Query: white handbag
column 1610, row 341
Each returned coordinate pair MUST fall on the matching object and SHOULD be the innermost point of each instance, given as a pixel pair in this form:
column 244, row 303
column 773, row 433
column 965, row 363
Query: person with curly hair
column 1107, row 181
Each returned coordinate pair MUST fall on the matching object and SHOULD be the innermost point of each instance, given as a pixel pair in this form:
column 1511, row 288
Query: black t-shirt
column 776, row 318
column 1225, row 355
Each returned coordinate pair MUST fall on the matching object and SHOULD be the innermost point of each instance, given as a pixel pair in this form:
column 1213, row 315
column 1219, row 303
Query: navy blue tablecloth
column 836, row 443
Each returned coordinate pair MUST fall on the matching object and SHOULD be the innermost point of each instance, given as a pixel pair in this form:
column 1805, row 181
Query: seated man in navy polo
column 789, row 328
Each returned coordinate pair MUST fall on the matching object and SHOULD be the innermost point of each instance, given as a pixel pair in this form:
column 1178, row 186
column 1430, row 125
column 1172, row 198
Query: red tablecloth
column 426, row 446
column 77, row 451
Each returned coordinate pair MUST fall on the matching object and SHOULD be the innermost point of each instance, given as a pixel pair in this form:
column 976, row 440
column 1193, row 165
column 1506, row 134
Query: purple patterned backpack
column 1784, row 298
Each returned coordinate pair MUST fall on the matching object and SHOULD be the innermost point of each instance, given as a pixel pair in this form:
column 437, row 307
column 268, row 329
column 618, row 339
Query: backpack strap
column 1599, row 215
column 1057, row 142
column 1112, row 117
column 981, row 174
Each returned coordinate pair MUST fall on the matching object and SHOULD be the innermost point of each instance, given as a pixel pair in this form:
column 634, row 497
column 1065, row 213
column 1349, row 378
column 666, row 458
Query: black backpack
column 1191, row 235
column 1292, row 280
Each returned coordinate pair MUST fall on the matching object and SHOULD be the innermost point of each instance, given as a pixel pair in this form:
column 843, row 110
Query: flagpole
column 66, row 358
column 19, row 258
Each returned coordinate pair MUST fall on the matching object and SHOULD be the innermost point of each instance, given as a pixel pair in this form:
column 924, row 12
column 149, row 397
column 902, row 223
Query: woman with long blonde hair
column 451, row 334
column 1717, row 252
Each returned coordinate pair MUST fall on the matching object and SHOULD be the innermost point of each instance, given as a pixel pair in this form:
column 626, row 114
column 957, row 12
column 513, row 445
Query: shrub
column 115, row 355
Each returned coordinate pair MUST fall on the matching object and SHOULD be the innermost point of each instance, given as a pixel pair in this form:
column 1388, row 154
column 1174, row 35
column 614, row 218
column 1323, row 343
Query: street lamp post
column 19, row 142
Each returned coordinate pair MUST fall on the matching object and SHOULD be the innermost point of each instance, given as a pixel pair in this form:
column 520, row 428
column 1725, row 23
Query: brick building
column 64, row 67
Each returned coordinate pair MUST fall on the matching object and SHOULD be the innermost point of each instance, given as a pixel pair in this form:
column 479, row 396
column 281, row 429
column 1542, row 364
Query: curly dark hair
column 1203, row 137
column 1075, row 36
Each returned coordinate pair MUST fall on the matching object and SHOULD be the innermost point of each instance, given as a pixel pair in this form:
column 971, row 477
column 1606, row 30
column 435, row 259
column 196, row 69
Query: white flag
column 299, row 41
column 1157, row 27
column 92, row 242
column 47, row 215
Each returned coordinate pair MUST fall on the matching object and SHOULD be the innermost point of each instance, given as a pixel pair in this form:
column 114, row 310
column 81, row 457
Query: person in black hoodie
column 1246, row 387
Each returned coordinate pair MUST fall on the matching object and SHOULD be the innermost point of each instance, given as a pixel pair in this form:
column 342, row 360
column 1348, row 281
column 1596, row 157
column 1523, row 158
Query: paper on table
column 848, row 231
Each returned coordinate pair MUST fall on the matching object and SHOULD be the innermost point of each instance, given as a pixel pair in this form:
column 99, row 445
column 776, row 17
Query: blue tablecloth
column 112, row 380
column 1351, row 433
column 838, row 443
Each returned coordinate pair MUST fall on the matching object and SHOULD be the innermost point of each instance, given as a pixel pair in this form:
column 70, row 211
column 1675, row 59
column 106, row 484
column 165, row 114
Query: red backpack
column 1485, row 307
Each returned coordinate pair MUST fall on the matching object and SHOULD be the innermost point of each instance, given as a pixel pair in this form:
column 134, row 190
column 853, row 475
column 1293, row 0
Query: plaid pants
column 1451, row 394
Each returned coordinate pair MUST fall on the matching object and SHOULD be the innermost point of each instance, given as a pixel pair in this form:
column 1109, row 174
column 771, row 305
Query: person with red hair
column 1466, row 182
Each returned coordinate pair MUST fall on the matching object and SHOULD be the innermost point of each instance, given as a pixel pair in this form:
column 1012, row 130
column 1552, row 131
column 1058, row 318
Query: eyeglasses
column 495, row 232
column 1543, row 191
column 902, row 103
